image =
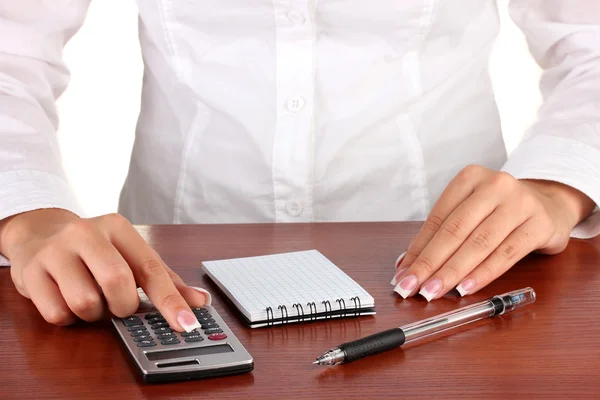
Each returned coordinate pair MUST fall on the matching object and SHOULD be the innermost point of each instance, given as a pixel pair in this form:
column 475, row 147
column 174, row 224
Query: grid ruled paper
column 256, row 283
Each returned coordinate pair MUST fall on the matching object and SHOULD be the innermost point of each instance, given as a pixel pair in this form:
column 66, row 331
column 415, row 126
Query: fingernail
column 398, row 274
column 466, row 286
column 406, row 286
column 431, row 289
column 399, row 260
column 187, row 320
column 206, row 293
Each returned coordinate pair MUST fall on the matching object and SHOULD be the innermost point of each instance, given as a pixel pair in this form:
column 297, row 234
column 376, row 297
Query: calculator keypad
column 165, row 335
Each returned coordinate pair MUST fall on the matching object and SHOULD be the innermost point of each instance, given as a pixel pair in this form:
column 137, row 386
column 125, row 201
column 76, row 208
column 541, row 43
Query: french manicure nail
column 397, row 274
column 187, row 320
column 431, row 289
column 406, row 286
column 206, row 293
column 466, row 286
column 399, row 260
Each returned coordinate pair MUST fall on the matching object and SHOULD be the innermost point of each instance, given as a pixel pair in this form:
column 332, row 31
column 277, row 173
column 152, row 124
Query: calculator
column 163, row 355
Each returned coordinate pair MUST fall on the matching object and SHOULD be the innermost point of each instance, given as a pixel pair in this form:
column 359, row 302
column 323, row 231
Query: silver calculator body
column 162, row 355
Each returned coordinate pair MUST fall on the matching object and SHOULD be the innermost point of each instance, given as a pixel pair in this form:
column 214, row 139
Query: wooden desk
column 550, row 350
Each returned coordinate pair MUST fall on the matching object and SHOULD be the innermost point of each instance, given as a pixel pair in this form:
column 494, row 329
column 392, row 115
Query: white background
column 98, row 111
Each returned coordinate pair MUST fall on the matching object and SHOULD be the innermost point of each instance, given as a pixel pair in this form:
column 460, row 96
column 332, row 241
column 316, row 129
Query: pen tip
column 316, row 362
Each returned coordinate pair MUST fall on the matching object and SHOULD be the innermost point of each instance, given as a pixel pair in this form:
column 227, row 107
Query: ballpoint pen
column 396, row 337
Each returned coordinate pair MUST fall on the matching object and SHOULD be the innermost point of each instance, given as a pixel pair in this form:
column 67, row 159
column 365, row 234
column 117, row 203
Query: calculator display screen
column 189, row 352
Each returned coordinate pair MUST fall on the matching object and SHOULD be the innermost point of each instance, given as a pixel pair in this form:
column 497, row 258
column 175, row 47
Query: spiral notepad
column 290, row 287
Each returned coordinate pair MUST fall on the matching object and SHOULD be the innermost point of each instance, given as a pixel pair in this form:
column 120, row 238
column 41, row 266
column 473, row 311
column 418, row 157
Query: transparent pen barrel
column 448, row 320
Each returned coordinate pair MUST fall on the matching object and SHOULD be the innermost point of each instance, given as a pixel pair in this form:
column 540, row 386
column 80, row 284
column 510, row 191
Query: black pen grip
column 373, row 344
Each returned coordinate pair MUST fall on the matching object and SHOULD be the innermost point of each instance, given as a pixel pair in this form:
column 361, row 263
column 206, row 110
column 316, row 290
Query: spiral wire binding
column 343, row 311
column 286, row 319
column 327, row 313
column 357, row 306
column 313, row 314
column 312, row 306
column 299, row 307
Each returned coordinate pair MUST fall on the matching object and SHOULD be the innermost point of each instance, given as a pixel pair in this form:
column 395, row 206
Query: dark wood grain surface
column 550, row 350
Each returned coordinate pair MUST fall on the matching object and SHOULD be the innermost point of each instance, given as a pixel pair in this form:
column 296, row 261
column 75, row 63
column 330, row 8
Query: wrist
column 573, row 204
column 20, row 228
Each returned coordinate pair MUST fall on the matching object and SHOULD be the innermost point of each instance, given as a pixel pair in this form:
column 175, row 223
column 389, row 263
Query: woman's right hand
column 74, row 267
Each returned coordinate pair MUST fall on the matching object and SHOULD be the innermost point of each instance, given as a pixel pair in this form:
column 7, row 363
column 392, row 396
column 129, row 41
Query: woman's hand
column 73, row 267
column 483, row 223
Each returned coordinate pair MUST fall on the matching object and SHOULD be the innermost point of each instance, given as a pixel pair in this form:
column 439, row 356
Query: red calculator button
column 217, row 336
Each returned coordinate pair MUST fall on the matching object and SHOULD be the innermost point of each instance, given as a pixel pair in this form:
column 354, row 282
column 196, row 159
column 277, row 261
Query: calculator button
column 163, row 330
column 201, row 314
column 166, row 335
column 142, row 338
column 136, row 327
column 217, row 336
column 131, row 321
column 155, row 320
column 146, row 343
column 139, row 332
column 209, row 325
column 213, row 330
column 159, row 325
column 172, row 340
column 153, row 315
column 192, row 333
column 199, row 310
column 205, row 320
column 195, row 338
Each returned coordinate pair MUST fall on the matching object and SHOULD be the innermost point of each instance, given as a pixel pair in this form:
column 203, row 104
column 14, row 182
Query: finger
column 46, row 297
column 17, row 278
column 517, row 245
column 78, row 288
column 457, row 191
column 478, row 246
column 150, row 272
column 399, row 259
column 398, row 272
column 401, row 256
column 110, row 270
column 195, row 297
column 451, row 235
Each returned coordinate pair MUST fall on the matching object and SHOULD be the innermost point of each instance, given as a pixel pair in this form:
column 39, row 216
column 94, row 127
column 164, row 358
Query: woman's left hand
column 483, row 223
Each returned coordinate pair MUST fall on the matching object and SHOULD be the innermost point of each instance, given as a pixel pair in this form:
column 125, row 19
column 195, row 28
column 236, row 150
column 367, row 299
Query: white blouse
column 306, row 110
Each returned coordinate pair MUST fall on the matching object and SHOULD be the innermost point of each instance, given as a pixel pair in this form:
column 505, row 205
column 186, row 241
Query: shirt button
column 295, row 104
column 296, row 18
column 294, row 208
